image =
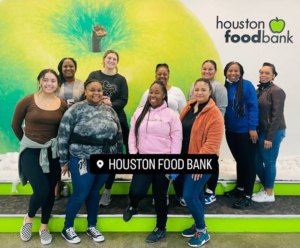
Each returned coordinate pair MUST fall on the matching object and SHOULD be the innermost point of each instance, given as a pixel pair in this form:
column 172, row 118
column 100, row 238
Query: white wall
column 251, row 55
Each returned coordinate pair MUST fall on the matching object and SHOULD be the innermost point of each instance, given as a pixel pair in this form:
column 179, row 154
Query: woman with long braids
column 155, row 129
column 241, row 120
column 271, row 131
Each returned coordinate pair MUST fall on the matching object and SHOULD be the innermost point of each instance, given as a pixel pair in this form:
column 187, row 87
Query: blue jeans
column 85, row 188
column 193, row 194
column 266, row 158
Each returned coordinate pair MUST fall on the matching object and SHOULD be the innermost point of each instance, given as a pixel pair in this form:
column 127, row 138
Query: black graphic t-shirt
column 116, row 88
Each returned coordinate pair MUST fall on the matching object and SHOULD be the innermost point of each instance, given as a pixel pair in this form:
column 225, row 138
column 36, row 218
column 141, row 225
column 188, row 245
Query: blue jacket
column 250, row 120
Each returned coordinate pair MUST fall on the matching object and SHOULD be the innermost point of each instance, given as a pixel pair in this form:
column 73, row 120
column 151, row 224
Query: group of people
column 68, row 120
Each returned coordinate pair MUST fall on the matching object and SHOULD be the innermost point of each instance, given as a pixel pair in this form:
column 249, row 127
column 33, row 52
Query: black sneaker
column 234, row 193
column 94, row 233
column 156, row 235
column 129, row 211
column 70, row 235
column 242, row 202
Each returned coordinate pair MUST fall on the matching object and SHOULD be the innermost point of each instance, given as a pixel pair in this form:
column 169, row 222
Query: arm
column 132, row 145
column 191, row 93
column 182, row 101
column 65, row 130
column 176, row 135
column 278, row 98
column 221, row 98
column 214, row 136
column 144, row 98
column 122, row 100
column 252, row 105
column 19, row 116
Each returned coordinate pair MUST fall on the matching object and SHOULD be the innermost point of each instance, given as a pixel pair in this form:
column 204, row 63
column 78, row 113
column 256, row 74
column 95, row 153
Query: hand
column 65, row 169
column 267, row 144
column 196, row 177
column 107, row 102
column 253, row 136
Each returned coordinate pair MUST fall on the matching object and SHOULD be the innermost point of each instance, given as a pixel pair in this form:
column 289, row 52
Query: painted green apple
column 277, row 25
column 36, row 34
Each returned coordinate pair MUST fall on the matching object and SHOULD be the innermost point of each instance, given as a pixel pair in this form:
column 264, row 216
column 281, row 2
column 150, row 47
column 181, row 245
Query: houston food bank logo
column 262, row 35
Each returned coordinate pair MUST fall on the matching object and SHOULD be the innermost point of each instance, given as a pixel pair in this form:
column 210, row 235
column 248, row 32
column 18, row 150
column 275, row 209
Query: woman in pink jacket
column 155, row 129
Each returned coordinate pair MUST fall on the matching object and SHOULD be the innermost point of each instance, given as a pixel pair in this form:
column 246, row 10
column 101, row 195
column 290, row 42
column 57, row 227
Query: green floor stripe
column 122, row 188
column 174, row 224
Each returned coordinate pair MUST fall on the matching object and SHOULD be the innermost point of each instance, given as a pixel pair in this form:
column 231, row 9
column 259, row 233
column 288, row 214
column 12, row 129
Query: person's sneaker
column 46, row 237
column 210, row 199
column 95, row 234
column 188, row 233
column 129, row 211
column 242, row 202
column 261, row 192
column 199, row 239
column 181, row 201
column 264, row 198
column 156, row 235
column 70, row 235
column 25, row 231
column 105, row 199
column 234, row 193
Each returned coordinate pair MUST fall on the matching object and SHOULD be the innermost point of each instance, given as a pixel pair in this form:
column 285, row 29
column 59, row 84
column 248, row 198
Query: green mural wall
column 36, row 34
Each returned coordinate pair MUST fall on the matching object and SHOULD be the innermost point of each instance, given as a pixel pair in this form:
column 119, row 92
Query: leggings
column 43, row 184
column 125, row 133
column 160, row 185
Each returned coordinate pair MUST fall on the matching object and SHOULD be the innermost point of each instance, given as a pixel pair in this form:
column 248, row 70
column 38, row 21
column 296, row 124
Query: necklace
column 46, row 101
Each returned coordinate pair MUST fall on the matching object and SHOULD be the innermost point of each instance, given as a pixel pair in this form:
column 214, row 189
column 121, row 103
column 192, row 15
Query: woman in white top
column 176, row 98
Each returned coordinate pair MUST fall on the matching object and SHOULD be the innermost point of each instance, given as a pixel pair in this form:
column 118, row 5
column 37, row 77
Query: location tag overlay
column 157, row 164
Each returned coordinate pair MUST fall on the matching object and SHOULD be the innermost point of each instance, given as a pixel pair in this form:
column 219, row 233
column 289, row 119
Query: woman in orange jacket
column 203, row 127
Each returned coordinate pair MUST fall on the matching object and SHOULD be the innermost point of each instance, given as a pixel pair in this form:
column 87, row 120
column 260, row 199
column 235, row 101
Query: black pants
column 243, row 150
column 160, row 184
column 178, row 185
column 125, row 134
column 212, row 182
column 43, row 184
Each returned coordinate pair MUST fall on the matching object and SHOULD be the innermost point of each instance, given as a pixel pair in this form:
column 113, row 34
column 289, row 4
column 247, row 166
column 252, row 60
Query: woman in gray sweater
column 88, row 127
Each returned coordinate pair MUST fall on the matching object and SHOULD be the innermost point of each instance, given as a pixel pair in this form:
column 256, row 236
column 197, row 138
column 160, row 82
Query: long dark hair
column 209, row 85
column 238, row 99
column 146, row 109
column 59, row 67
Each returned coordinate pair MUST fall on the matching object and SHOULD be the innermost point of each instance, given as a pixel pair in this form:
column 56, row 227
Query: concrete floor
column 174, row 240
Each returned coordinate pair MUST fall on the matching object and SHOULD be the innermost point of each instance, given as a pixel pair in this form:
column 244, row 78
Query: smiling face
column 162, row 74
column 201, row 92
column 266, row 74
column 233, row 73
column 68, row 69
column 93, row 93
column 110, row 61
column 156, row 96
column 208, row 71
column 48, row 84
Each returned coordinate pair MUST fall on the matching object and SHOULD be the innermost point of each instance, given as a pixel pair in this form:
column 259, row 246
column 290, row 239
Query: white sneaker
column 46, row 237
column 261, row 192
column 264, row 198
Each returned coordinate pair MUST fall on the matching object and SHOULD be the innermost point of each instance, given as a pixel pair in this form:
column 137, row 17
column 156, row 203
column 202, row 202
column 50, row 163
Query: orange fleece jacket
column 207, row 130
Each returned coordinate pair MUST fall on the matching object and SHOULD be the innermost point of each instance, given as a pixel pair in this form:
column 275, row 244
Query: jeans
column 266, row 158
column 85, row 188
column 193, row 194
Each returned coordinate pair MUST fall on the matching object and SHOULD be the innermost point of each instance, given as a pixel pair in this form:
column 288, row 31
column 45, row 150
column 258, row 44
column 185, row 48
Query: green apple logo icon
column 37, row 34
column 277, row 25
